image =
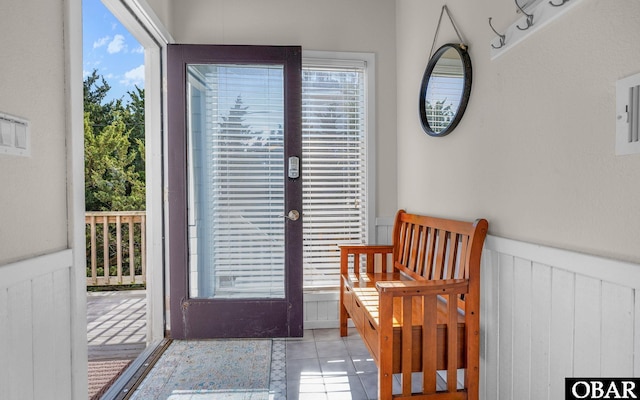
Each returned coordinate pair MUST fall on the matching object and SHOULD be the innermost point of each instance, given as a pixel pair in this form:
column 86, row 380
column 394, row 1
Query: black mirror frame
column 466, row 93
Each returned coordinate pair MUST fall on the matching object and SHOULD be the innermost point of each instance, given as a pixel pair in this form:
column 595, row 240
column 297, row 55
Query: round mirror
column 445, row 90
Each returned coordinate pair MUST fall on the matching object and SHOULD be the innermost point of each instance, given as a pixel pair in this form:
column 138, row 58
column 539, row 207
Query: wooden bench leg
column 344, row 317
column 385, row 385
column 385, row 347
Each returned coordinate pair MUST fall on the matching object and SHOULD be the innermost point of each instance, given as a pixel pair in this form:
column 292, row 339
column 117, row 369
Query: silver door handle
column 293, row 215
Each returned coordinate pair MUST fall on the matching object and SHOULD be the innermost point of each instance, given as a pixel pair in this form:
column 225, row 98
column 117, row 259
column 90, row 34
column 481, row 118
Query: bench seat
column 364, row 308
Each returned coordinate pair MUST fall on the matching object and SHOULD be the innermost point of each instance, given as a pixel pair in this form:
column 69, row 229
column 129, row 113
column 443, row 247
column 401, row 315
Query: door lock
column 294, row 167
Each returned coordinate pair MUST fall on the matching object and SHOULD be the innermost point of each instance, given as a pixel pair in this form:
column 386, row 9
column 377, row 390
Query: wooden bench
column 422, row 292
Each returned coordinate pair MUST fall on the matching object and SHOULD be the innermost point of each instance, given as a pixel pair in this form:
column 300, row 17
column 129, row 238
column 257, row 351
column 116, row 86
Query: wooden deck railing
column 117, row 240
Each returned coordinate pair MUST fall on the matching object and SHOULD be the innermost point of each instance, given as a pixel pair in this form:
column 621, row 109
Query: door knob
column 293, row 215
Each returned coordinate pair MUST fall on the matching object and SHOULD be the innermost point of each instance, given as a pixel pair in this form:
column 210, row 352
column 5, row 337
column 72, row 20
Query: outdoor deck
column 116, row 324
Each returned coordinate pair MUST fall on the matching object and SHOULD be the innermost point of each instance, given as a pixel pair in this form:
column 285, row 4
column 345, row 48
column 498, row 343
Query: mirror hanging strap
column 455, row 28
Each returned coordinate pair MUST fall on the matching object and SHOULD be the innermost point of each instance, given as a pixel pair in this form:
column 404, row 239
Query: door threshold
column 126, row 384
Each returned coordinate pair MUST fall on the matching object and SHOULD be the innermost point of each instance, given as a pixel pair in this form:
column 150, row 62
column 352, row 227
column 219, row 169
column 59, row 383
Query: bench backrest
column 436, row 249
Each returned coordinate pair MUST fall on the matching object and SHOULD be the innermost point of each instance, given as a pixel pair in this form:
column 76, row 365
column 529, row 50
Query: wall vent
column 15, row 136
column 628, row 115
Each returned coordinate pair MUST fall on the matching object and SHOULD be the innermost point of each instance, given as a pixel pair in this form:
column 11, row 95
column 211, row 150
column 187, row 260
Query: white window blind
column 239, row 193
column 334, row 165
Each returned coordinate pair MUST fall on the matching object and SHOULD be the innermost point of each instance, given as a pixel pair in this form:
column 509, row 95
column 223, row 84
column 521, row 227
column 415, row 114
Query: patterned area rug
column 102, row 374
column 233, row 369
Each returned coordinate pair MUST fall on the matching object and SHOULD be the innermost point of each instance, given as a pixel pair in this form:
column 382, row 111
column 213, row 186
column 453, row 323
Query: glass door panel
column 236, row 187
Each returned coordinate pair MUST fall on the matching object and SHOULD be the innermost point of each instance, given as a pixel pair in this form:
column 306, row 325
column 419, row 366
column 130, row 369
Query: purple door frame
column 231, row 318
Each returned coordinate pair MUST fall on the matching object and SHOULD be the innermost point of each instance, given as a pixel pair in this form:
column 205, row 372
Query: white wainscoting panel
column 321, row 309
column 384, row 230
column 548, row 314
column 35, row 328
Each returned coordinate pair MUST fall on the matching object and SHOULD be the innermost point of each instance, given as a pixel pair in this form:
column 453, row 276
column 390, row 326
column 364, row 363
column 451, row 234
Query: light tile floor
column 324, row 366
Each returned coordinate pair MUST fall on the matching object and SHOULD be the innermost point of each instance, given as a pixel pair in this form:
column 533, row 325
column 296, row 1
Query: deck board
column 116, row 324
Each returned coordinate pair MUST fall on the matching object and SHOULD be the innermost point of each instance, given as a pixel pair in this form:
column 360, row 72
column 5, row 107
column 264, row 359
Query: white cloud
column 134, row 77
column 116, row 45
column 92, row 63
column 100, row 42
column 138, row 50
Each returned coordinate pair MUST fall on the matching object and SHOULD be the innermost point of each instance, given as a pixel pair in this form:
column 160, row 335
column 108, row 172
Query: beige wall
column 335, row 25
column 161, row 8
column 33, row 208
column 535, row 151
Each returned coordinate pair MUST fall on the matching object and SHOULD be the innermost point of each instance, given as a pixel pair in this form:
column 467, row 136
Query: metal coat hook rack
column 501, row 36
column 529, row 18
column 540, row 12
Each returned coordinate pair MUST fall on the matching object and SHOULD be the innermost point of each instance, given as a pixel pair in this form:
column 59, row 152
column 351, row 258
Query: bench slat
column 422, row 247
column 452, row 256
column 452, row 373
column 442, row 243
column 407, row 345
column 463, row 254
column 429, row 343
column 431, row 255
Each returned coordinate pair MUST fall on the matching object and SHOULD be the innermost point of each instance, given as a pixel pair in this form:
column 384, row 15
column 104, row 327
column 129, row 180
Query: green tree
column 114, row 148
column 133, row 117
column 101, row 113
column 111, row 181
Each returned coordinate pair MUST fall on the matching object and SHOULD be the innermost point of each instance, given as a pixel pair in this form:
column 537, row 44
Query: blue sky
column 109, row 48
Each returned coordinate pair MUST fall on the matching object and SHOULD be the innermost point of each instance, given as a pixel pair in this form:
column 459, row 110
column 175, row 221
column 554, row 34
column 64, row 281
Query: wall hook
column 502, row 37
column 529, row 18
column 558, row 5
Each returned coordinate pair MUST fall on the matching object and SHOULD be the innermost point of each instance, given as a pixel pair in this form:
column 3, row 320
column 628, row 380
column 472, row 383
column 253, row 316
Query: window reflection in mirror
column 445, row 90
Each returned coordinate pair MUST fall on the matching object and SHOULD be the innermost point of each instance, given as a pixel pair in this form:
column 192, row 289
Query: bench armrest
column 370, row 251
column 367, row 248
column 426, row 287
